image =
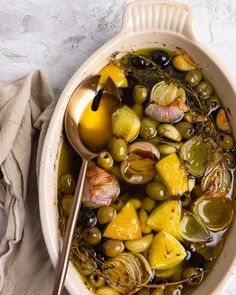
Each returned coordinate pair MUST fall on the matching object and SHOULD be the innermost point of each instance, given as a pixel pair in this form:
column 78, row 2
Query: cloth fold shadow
column 26, row 106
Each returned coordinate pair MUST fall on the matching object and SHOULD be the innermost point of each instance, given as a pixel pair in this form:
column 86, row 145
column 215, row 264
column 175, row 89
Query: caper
column 227, row 142
column 67, row 184
column 156, row 191
column 148, row 128
column 106, row 290
column 66, row 203
column 113, row 247
column 118, row 149
column 193, row 276
column 213, row 102
column 92, row 235
column 148, row 204
column 193, row 77
column 105, row 160
column 106, row 214
column 185, row 200
column 138, row 108
column 136, row 202
column 204, row 89
column 185, row 129
column 140, row 94
column 96, row 280
column 230, row 160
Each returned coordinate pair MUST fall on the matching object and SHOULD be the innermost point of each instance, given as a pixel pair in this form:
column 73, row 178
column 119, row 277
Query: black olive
column 139, row 63
column 87, row 218
column 197, row 260
column 161, row 58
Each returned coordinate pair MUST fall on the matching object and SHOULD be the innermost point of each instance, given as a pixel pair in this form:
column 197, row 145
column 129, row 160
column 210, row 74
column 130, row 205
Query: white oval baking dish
column 146, row 23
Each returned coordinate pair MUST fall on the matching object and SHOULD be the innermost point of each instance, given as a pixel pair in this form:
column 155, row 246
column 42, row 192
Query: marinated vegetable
column 158, row 196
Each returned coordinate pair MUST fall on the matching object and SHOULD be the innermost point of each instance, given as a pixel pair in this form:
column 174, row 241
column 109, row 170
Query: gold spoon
column 83, row 95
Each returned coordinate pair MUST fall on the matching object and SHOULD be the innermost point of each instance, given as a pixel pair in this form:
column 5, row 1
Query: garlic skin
column 101, row 188
column 167, row 114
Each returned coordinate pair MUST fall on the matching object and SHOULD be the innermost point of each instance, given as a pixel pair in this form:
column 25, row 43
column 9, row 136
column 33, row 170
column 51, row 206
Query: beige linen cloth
column 26, row 107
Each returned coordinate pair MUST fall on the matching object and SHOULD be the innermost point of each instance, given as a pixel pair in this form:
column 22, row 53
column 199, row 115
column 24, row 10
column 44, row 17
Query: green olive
column 67, row 184
column 148, row 204
column 113, row 247
column 158, row 291
column 193, row 77
column 118, row 149
column 230, row 160
column 213, row 102
column 139, row 110
column 156, row 191
column 106, row 214
column 136, row 202
column 144, row 291
column 92, row 235
column 185, row 129
column 96, row 280
column 192, row 276
column 66, row 203
column 148, row 128
column 227, row 142
column 105, row 160
column 106, row 290
column 197, row 191
column 185, row 200
column 140, row 94
column 174, row 290
column 204, row 89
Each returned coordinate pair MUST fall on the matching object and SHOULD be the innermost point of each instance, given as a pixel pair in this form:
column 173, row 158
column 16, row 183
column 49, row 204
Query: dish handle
column 152, row 15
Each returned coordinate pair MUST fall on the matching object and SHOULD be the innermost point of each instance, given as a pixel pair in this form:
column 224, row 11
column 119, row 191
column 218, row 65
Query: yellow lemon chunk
column 115, row 73
column 165, row 251
column 125, row 226
column 166, row 217
column 173, row 174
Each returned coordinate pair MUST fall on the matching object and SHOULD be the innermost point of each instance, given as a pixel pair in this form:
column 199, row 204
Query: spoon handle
column 63, row 262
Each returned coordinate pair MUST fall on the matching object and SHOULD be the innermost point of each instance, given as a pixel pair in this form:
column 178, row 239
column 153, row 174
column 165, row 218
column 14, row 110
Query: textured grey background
column 56, row 36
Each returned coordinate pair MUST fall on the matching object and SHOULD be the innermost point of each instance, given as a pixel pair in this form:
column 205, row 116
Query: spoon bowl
column 79, row 100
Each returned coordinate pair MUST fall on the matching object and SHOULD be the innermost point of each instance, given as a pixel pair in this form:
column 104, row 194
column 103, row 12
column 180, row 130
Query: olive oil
column 95, row 126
